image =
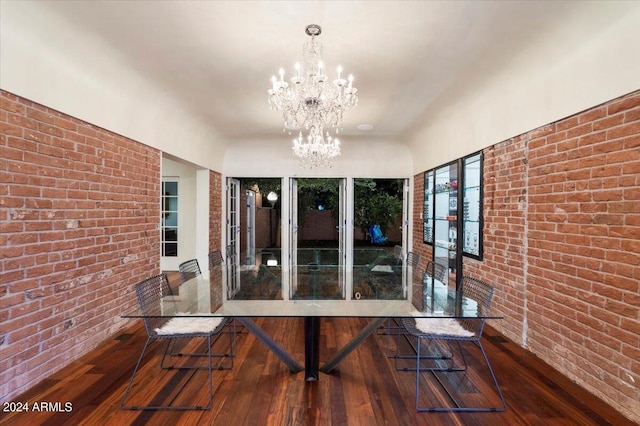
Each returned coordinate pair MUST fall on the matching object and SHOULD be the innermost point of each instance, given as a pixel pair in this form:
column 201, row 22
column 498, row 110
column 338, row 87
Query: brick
column 623, row 104
column 630, row 129
column 632, row 142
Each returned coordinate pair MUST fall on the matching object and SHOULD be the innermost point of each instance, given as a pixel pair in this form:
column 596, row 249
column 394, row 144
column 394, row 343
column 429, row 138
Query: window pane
column 170, row 249
column 171, row 234
column 170, row 188
column 171, row 219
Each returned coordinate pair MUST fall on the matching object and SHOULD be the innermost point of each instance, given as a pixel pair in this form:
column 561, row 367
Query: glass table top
column 316, row 292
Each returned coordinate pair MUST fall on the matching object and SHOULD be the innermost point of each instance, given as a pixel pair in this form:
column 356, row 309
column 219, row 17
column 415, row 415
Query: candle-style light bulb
column 281, row 74
column 298, row 69
column 274, row 81
column 321, row 68
column 339, row 71
column 350, row 80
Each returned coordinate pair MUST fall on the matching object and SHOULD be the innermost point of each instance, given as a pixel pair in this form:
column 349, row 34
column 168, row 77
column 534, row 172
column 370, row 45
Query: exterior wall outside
column 267, row 224
column 79, row 214
column 562, row 246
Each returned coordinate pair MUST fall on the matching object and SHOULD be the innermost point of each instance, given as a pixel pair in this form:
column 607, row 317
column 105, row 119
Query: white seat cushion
column 185, row 325
column 382, row 268
column 442, row 326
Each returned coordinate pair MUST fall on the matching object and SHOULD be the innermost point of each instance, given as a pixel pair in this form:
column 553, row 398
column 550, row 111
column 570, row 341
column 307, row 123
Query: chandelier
column 315, row 150
column 313, row 103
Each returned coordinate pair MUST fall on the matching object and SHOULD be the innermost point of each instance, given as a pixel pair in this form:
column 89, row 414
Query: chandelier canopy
column 313, row 103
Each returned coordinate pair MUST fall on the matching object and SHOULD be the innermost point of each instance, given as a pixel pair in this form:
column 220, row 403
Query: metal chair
column 450, row 330
column 215, row 259
column 189, row 269
column 433, row 271
column 215, row 262
column 437, row 270
column 412, row 265
column 150, row 293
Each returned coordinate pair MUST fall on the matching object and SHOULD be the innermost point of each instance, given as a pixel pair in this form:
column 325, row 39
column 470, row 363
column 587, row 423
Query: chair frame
column 189, row 269
column 215, row 259
column 413, row 262
column 482, row 293
column 149, row 292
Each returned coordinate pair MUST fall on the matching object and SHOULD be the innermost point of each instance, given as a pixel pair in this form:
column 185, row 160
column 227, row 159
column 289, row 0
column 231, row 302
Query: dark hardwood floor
column 365, row 388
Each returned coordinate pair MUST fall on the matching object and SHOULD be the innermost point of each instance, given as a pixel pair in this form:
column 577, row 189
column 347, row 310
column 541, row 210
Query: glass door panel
column 233, row 236
column 293, row 237
column 428, row 207
column 472, row 206
column 445, row 219
column 380, row 219
column 342, row 227
column 317, row 239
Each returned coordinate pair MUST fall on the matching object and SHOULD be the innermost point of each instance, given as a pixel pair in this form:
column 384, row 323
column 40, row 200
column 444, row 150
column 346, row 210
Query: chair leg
column 435, row 355
column 209, row 369
column 166, row 351
column 458, row 407
column 210, row 374
column 495, row 380
column 418, row 376
column 388, row 336
column 135, row 370
column 229, row 354
column 232, row 341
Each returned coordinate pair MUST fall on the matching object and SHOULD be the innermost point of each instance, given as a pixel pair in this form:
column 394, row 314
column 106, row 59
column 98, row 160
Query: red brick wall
column 424, row 250
column 215, row 209
column 562, row 246
column 79, row 214
column 318, row 225
column 584, row 249
column 505, row 210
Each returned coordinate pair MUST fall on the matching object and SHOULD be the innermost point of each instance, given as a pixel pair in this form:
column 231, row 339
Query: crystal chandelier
column 313, row 103
column 315, row 150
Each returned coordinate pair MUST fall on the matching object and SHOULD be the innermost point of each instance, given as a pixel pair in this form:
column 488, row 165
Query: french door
column 233, row 237
column 331, row 260
column 342, row 232
column 293, row 236
column 251, row 228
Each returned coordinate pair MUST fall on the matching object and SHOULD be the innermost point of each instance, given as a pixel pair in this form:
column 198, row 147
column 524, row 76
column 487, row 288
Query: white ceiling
column 216, row 58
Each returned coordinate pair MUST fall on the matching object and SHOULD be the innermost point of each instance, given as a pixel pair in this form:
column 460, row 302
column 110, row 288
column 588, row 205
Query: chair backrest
column 215, row 259
column 481, row 293
column 189, row 269
column 397, row 252
column 436, row 271
column 149, row 293
column 413, row 259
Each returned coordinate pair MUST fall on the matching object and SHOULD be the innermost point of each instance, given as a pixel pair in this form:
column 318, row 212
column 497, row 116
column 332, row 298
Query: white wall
column 359, row 158
column 584, row 63
column 44, row 60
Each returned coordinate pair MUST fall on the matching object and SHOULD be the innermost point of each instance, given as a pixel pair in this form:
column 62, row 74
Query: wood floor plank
column 364, row 389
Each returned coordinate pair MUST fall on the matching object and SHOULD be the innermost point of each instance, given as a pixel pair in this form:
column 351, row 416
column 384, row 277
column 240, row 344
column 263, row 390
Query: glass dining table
column 315, row 292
